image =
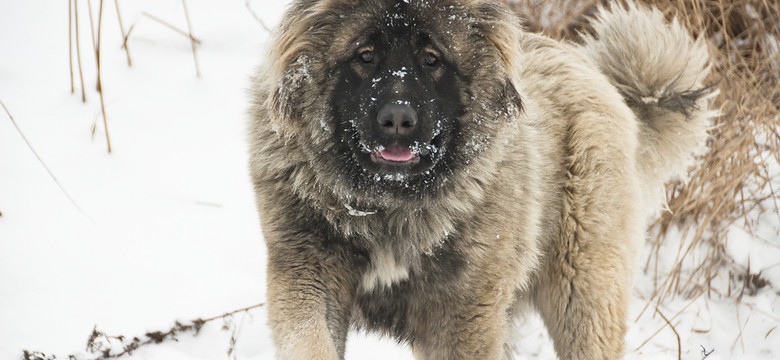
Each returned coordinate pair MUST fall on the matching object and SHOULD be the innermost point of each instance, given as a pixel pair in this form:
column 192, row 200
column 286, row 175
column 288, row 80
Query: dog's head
column 394, row 99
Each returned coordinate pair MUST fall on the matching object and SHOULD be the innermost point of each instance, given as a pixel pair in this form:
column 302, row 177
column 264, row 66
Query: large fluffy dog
column 426, row 169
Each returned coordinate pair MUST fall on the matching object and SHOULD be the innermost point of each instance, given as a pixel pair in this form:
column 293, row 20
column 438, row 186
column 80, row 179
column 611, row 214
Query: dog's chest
column 384, row 270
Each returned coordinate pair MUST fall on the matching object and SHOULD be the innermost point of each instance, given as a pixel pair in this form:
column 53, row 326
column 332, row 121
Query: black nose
column 397, row 119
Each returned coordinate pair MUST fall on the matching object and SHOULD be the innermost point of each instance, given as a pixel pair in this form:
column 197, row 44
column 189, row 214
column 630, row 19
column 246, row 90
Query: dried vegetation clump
column 735, row 182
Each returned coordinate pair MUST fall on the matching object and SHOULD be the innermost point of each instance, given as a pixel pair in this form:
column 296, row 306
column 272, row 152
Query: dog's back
column 616, row 145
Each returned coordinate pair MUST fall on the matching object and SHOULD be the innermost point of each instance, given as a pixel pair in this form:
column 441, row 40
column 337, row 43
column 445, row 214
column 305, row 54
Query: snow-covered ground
column 169, row 230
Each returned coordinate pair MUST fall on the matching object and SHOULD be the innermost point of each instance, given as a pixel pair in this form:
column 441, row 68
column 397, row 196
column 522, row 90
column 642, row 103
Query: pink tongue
column 397, row 153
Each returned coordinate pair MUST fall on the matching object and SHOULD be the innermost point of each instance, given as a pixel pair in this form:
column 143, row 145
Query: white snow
column 355, row 212
column 400, row 73
column 171, row 231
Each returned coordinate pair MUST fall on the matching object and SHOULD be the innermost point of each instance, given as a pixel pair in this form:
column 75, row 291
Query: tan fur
column 652, row 76
column 562, row 151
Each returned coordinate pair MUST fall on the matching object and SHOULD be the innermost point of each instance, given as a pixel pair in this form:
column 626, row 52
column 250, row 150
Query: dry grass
column 96, row 37
column 192, row 43
column 102, row 346
column 734, row 183
column 125, row 35
column 98, row 53
column 73, row 23
column 73, row 20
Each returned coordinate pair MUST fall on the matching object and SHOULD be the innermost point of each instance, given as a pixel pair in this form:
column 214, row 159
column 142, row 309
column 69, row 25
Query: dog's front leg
column 474, row 329
column 310, row 294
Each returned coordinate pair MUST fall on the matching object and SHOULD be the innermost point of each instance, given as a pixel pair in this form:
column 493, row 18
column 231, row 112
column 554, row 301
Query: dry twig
column 192, row 43
column 100, row 78
column 257, row 18
column 125, row 36
column 102, row 346
column 168, row 25
column 91, row 25
column 663, row 326
column 70, row 45
column 40, row 160
column 679, row 345
column 78, row 51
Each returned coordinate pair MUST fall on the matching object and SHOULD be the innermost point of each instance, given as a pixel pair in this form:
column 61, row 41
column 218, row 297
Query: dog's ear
column 289, row 62
column 286, row 95
column 502, row 28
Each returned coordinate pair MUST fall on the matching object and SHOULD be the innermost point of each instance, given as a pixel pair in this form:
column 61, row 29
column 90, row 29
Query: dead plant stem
column 160, row 336
column 99, row 77
column 192, row 43
column 40, row 160
column 233, row 312
column 91, row 25
column 124, row 35
column 740, row 340
column 168, row 25
column 78, row 52
column 679, row 345
column 70, row 45
column 673, row 317
column 257, row 18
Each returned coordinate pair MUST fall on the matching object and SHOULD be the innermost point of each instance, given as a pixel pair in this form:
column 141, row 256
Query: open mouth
column 395, row 155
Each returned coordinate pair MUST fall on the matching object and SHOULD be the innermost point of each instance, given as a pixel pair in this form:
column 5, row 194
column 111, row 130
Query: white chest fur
column 385, row 270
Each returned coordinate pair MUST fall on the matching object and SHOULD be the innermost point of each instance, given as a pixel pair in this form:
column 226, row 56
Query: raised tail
column 659, row 69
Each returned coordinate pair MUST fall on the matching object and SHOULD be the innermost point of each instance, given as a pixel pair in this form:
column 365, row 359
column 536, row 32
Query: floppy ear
column 286, row 95
column 288, row 67
column 501, row 27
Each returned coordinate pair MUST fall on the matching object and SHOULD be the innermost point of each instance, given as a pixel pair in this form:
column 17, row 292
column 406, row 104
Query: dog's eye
column 431, row 59
column 367, row 56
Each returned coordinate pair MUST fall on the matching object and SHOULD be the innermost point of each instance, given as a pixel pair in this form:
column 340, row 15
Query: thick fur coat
column 525, row 179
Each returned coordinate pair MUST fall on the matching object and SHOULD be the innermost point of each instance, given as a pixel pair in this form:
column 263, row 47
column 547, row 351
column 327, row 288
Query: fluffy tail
column 659, row 69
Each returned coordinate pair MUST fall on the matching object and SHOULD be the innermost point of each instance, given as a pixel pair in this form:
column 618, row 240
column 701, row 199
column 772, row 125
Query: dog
column 428, row 170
